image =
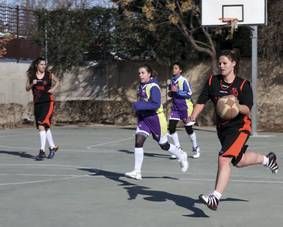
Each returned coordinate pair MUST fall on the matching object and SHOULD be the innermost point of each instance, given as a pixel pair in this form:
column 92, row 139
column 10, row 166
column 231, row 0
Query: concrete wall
column 12, row 83
column 101, row 86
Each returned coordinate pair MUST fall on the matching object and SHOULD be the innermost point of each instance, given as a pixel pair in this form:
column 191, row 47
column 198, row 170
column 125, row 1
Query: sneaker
column 52, row 152
column 184, row 162
column 41, row 155
column 196, row 152
column 210, row 200
column 173, row 156
column 272, row 164
column 134, row 174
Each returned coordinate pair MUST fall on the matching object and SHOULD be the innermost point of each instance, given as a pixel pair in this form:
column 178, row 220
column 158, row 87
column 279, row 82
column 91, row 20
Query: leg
column 252, row 158
column 223, row 173
column 52, row 147
column 173, row 134
column 50, row 138
column 181, row 155
column 139, row 153
column 222, row 179
column 192, row 135
column 42, row 134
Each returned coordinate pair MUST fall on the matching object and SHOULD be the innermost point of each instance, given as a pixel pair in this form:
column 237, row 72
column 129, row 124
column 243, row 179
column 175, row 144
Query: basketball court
column 85, row 184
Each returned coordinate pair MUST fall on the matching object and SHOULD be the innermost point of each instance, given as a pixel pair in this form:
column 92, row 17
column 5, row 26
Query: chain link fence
column 21, row 23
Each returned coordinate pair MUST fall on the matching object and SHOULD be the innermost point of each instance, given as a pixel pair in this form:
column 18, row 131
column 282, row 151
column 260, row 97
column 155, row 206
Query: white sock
column 42, row 135
column 265, row 160
column 50, row 138
column 175, row 139
column 217, row 194
column 138, row 158
column 175, row 151
column 194, row 139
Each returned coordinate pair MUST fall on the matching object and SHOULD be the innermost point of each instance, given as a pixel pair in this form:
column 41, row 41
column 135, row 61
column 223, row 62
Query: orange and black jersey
column 216, row 87
column 41, row 88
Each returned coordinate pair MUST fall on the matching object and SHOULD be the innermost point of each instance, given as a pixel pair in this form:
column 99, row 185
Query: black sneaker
column 272, row 164
column 52, row 152
column 210, row 200
column 41, row 155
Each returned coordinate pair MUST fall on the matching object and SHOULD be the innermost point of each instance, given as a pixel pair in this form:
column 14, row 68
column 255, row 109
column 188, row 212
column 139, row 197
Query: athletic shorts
column 183, row 115
column 156, row 125
column 233, row 144
column 43, row 113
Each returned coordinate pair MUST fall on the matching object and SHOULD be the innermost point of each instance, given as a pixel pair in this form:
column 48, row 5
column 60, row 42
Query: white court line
column 14, row 147
column 79, row 149
column 44, row 175
column 41, row 181
column 46, row 165
column 237, row 181
column 111, row 142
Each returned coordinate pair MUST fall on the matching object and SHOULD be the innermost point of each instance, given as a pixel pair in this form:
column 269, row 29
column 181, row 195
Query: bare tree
column 184, row 14
column 4, row 39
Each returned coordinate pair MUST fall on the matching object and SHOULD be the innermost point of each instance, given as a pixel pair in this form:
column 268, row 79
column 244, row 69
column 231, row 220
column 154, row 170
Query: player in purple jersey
column 151, row 120
column 181, row 92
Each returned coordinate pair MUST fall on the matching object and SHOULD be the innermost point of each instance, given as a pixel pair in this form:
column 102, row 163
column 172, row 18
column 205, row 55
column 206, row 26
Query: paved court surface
column 84, row 185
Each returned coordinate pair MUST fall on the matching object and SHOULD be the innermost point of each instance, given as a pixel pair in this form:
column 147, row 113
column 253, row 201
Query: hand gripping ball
column 227, row 107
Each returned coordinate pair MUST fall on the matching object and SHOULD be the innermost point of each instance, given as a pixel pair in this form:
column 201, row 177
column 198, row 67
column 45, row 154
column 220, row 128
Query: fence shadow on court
column 17, row 153
column 148, row 194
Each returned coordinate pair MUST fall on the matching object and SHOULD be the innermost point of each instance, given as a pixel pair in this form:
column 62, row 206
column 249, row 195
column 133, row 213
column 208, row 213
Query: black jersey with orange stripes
column 41, row 88
column 216, row 87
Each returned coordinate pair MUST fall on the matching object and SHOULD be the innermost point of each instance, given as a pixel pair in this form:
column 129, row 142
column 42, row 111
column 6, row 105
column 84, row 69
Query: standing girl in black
column 43, row 84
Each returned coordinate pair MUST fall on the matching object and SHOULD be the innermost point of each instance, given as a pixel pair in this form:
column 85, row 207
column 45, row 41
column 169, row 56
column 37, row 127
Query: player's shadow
column 17, row 153
column 108, row 174
column 135, row 190
column 147, row 154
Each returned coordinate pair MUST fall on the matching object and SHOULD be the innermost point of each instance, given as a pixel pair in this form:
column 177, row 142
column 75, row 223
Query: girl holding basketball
column 151, row 120
column 234, row 133
column 43, row 84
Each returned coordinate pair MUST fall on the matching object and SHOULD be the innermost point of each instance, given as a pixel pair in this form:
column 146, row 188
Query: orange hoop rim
column 229, row 20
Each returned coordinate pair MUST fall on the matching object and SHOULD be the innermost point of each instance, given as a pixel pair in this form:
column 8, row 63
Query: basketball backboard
column 247, row 12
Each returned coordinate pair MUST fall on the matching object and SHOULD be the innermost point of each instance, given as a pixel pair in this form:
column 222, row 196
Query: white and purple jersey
column 182, row 105
column 149, row 109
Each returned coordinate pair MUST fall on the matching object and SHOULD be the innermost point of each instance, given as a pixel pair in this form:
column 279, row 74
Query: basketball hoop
column 231, row 22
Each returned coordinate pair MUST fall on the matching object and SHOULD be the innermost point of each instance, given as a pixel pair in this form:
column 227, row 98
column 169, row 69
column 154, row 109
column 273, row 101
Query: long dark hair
column 233, row 55
column 31, row 72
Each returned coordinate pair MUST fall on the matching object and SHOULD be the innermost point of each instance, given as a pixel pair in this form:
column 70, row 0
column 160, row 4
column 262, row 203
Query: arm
column 153, row 103
column 246, row 99
column 30, row 85
column 197, row 110
column 56, row 85
column 186, row 92
column 244, row 109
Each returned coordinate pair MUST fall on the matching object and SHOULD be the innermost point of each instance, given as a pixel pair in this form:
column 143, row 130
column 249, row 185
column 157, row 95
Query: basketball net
column 232, row 23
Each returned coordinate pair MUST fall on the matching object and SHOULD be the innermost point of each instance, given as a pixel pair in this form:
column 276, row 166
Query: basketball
column 227, row 107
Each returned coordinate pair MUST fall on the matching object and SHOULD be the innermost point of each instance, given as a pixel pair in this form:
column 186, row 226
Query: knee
column 165, row 146
column 223, row 161
column 171, row 129
column 189, row 129
column 139, row 141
